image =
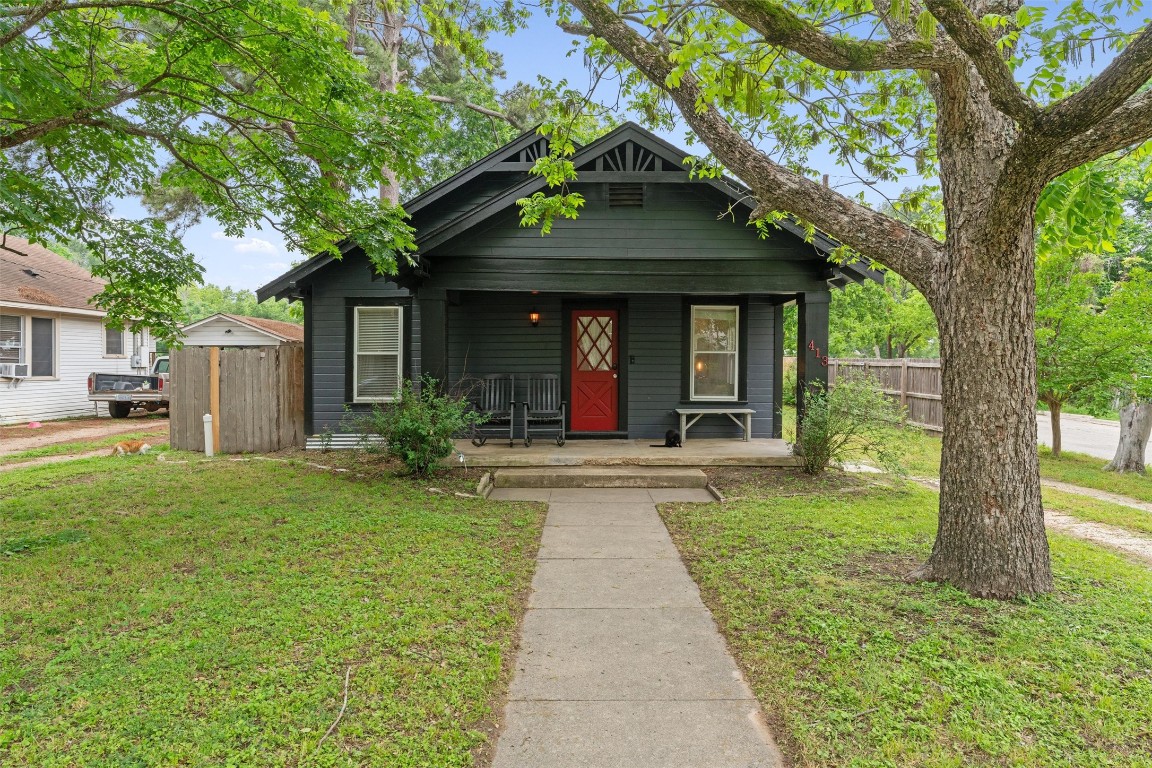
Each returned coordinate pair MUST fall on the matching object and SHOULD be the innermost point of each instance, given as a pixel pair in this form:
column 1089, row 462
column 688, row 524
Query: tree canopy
column 256, row 108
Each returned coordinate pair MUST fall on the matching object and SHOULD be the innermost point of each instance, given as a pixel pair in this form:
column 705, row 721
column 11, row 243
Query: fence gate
column 255, row 396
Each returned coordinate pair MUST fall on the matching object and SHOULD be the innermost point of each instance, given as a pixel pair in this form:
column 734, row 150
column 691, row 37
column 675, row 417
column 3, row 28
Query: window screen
column 43, row 346
column 11, row 339
column 113, row 341
column 379, row 364
column 715, row 352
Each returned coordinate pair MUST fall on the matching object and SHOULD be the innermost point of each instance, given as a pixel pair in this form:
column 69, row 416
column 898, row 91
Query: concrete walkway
column 620, row 663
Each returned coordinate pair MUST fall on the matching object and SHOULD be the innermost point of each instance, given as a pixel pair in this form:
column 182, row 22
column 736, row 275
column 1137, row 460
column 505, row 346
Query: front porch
column 705, row 452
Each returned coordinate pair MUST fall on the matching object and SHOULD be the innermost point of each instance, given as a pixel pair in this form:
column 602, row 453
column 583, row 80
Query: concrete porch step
column 600, row 477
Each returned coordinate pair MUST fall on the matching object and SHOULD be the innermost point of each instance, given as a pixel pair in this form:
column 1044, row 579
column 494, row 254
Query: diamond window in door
column 594, row 343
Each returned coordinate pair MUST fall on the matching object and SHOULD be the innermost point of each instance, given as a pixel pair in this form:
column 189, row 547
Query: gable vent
column 625, row 195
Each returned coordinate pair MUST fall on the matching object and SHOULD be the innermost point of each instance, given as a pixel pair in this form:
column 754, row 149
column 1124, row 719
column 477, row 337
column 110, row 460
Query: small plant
column 418, row 428
column 326, row 440
column 853, row 420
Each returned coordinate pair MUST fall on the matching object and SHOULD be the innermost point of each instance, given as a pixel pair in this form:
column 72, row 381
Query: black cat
column 671, row 440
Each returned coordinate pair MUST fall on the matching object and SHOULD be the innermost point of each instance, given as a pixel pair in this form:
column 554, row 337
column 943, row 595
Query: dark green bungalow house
column 659, row 296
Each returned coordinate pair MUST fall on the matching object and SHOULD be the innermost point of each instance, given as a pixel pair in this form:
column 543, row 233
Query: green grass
column 1073, row 468
column 155, row 613
column 60, row 449
column 854, row 667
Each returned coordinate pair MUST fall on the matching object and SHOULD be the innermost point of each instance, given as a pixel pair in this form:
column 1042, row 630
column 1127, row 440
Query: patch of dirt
column 879, row 565
column 779, row 481
column 16, row 438
column 53, row 459
column 1107, row 535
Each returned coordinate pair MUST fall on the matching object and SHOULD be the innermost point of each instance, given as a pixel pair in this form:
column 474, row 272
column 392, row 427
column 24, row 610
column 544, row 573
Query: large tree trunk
column 991, row 539
column 1135, row 430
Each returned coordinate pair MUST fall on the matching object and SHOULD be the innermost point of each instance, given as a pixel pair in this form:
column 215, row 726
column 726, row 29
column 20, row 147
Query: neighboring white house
column 224, row 330
column 52, row 337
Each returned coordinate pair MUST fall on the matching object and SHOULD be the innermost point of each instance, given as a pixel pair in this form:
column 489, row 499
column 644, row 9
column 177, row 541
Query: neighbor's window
column 43, row 346
column 113, row 341
column 715, row 352
column 11, row 339
column 378, row 363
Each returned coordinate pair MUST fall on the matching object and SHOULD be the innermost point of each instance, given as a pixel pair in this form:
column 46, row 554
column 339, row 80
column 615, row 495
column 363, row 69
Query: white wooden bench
column 742, row 417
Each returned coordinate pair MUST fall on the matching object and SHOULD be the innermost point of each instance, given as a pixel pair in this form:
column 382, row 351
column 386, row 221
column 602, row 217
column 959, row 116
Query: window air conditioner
column 14, row 370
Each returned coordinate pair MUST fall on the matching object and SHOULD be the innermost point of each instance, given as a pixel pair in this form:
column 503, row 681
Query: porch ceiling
column 758, row 452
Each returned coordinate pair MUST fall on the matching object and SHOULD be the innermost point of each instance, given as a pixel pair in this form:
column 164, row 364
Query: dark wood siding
column 490, row 333
column 331, row 288
column 678, row 242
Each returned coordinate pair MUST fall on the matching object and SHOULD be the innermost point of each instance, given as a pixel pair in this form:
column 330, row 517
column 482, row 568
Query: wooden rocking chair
column 544, row 411
column 495, row 400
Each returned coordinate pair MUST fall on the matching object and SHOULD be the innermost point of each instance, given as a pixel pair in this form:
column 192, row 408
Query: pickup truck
column 123, row 391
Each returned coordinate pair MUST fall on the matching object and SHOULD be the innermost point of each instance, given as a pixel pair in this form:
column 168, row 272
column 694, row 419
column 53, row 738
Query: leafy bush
column 789, row 394
column 854, row 420
column 418, row 428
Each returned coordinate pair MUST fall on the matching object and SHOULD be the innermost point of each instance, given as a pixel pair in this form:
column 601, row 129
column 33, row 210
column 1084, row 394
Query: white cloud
column 246, row 244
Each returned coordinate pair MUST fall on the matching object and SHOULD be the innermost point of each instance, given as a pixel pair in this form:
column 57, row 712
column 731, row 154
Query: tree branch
column 781, row 27
column 475, row 108
column 1106, row 93
column 899, row 246
column 1130, row 124
column 972, row 38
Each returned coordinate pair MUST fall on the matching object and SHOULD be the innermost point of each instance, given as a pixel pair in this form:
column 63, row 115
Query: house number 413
column 816, row 351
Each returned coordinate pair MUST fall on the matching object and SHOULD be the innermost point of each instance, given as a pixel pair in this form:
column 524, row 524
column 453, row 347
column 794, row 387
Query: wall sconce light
column 534, row 317
column 700, row 366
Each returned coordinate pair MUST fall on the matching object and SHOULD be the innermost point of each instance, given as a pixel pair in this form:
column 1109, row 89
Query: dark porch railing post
column 811, row 347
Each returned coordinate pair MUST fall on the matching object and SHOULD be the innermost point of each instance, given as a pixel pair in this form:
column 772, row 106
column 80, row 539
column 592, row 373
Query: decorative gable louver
column 625, row 195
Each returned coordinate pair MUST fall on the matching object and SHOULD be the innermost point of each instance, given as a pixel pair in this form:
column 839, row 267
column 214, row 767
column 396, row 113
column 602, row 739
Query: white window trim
column 55, row 346
column 23, row 322
column 735, row 396
column 124, row 354
column 356, row 398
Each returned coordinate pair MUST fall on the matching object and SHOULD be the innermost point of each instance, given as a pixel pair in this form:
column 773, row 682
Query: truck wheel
column 119, row 410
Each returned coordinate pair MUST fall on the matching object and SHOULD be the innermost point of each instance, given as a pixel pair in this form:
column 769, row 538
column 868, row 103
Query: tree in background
column 1078, row 350
column 1130, row 306
column 255, row 107
column 886, row 320
column 201, row 301
column 976, row 93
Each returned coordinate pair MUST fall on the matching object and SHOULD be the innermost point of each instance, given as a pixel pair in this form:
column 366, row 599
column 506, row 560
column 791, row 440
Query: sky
column 538, row 49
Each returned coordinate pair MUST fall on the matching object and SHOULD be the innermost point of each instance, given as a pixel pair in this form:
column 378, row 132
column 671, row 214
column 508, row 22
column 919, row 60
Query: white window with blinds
column 378, row 362
column 11, row 339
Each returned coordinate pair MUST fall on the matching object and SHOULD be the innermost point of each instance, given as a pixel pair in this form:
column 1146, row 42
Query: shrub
column 854, row 420
column 418, row 428
column 789, row 394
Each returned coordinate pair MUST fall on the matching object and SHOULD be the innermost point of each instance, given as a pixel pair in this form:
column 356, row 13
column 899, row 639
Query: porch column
column 434, row 334
column 811, row 346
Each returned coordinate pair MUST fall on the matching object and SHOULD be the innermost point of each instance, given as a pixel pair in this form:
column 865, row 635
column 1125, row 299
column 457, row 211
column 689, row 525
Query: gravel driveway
column 18, row 437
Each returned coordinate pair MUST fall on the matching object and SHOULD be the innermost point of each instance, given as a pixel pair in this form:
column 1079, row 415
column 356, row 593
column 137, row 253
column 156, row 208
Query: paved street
column 1082, row 434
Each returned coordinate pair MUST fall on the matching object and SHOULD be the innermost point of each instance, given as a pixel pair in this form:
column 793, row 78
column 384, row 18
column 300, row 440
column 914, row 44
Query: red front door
column 595, row 374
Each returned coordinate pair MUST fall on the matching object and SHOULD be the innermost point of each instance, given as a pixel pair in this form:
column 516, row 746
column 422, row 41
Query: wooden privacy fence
column 255, row 396
column 915, row 382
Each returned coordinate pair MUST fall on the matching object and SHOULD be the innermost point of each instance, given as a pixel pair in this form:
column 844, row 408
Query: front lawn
column 157, row 613
column 854, row 667
column 1074, row 468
